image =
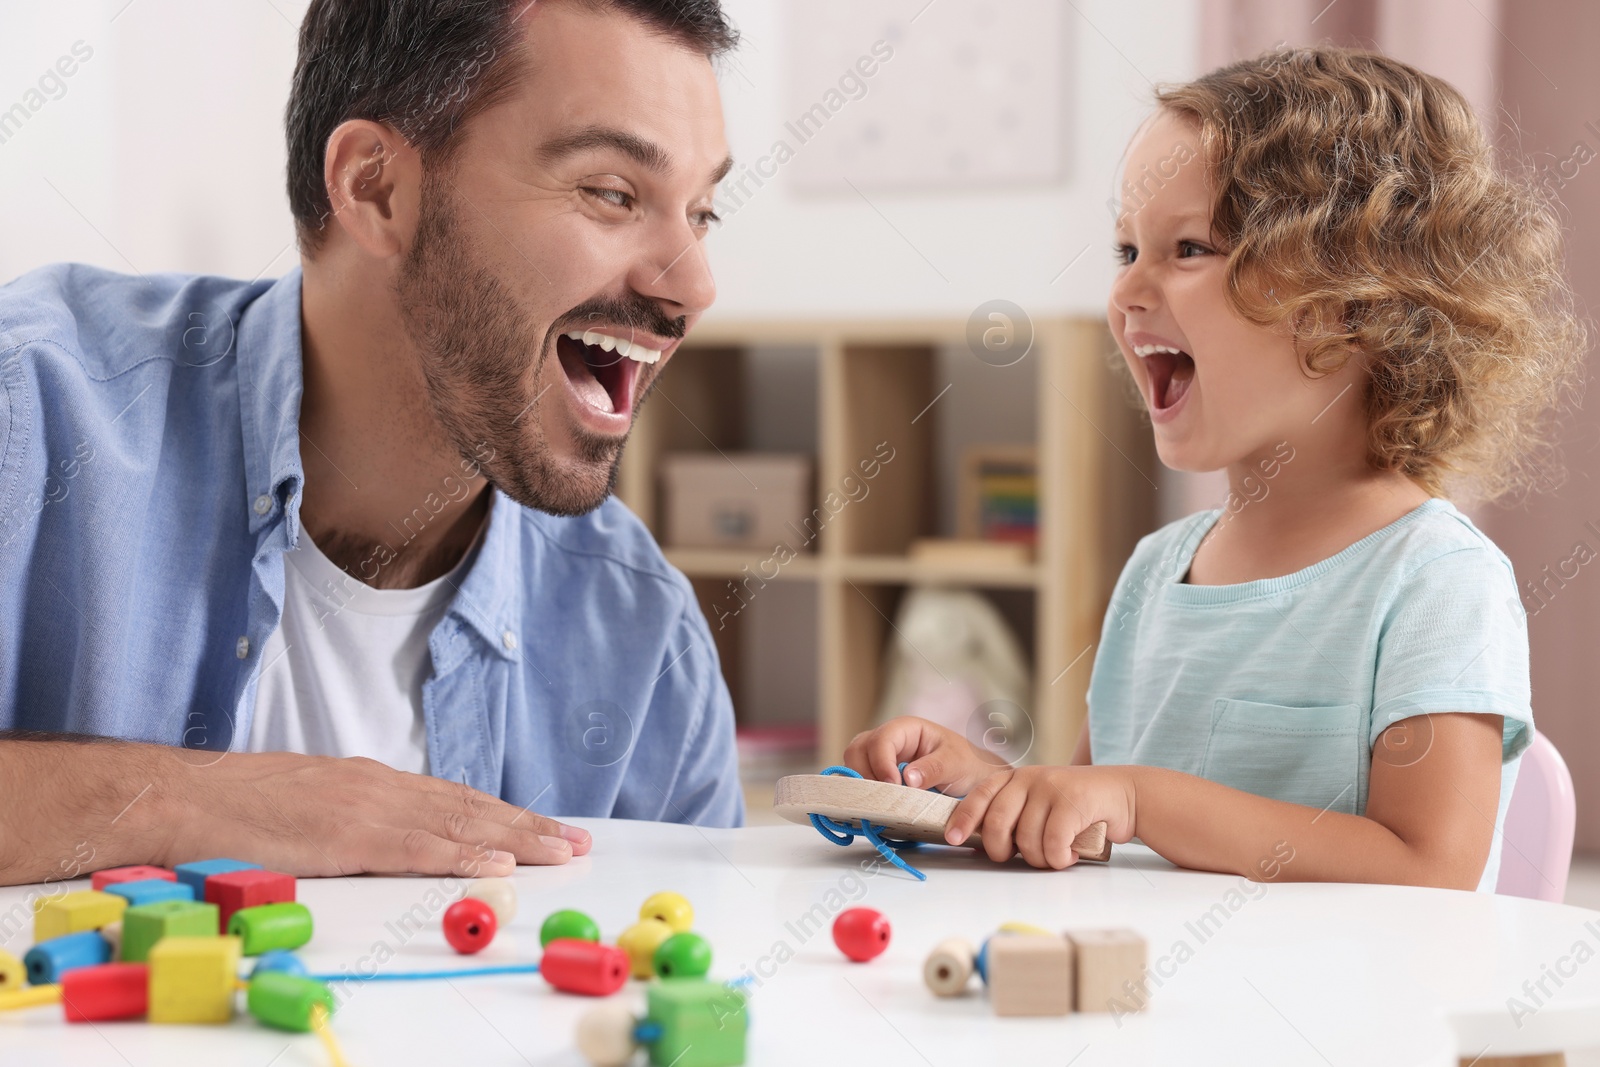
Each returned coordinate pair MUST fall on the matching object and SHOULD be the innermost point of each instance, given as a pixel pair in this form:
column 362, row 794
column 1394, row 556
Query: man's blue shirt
column 150, row 484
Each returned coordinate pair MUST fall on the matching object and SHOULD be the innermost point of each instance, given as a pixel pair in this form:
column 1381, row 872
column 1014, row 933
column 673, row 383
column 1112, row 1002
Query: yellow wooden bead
column 13, row 975
column 671, row 909
column 72, row 913
column 193, row 979
column 640, row 942
column 1026, row 928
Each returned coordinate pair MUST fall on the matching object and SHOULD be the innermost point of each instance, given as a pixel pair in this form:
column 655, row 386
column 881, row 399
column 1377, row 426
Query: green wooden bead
column 683, row 956
column 285, row 925
column 568, row 923
column 285, row 1000
column 702, row 1023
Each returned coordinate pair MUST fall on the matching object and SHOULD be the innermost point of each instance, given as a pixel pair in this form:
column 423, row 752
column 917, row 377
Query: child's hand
column 1039, row 811
column 936, row 758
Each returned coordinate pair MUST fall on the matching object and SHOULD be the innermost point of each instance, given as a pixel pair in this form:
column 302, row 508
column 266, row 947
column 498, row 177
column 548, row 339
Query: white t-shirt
column 343, row 673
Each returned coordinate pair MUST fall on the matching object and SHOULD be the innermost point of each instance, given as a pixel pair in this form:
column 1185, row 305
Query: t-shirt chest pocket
column 1306, row 755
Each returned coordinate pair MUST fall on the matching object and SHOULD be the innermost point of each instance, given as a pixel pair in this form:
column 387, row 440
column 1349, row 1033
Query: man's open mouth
column 1170, row 370
column 602, row 368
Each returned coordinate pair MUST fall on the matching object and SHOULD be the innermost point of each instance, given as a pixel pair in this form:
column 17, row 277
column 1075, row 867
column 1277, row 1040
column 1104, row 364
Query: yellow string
column 319, row 1023
column 29, row 997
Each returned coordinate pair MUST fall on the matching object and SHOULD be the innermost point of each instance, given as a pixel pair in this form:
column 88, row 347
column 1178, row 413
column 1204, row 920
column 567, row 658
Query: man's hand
column 1039, row 811
column 935, row 757
column 71, row 807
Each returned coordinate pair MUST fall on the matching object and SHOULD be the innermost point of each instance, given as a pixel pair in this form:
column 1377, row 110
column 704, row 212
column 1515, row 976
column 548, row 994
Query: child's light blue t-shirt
column 1280, row 687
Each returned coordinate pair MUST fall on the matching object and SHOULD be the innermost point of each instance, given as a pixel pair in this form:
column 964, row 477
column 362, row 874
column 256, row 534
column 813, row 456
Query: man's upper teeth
column 1149, row 350
column 632, row 349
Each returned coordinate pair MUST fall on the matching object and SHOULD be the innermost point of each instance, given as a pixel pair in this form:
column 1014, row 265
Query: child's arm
column 1429, row 819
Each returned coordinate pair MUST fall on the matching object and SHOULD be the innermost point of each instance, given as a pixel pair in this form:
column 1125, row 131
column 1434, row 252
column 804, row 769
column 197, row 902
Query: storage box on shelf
column 865, row 538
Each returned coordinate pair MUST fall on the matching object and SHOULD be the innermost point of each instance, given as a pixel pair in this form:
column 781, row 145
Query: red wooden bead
column 106, row 991
column 861, row 933
column 469, row 925
column 586, row 967
column 117, row 875
column 246, row 889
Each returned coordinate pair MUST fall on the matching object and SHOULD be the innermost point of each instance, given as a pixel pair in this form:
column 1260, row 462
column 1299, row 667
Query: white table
column 1279, row 974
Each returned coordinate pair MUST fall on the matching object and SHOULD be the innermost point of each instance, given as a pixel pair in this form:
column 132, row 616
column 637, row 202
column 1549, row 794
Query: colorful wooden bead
column 499, row 894
column 948, row 968
column 640, row 942
column 194, row 874
column 1110, row 970
column 585, row 967
column 287, row 1001
column 1025, row 928
column 670, row 908
column 1030, row 975
column 569, row 924
column 13, row 973
column 112, row 932
column 861, row 933
column 48, row 960
column 142, row 873
column 150, row 890
column 106, row 992
column 193, row 979
column 701, row 1023
column 469, row 925
column 146, row 924
column 279, row 960
column 685, row 955
column 286, row 925
column 70, row 913
column 605, row 1035
column 233, row 890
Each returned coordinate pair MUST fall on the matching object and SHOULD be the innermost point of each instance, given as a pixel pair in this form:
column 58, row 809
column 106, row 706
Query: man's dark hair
column 424, row 67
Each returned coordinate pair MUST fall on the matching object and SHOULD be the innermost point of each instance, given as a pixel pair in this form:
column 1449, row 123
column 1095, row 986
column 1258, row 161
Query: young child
column 1328, row 289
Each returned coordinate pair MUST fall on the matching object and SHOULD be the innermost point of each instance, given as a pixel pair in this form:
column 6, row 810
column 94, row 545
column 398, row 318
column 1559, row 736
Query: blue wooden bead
column 981, row 962
column 49, row 960
column 194, row 874
column 151, row 890
column 280, row 960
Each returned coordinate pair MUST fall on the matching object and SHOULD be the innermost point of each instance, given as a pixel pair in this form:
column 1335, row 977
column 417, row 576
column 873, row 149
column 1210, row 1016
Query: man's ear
column 374, row 183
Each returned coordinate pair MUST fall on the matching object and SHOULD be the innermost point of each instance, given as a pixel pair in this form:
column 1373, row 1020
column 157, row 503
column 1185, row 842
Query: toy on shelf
column 688, row 1022
column 861, row 933
column 1029, row 971
column 884, row 812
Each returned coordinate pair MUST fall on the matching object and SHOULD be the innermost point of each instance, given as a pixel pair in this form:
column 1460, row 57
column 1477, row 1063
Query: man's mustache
column 636, row 312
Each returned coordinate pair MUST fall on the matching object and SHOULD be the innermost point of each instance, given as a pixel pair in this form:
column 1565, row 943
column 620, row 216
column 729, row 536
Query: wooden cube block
column 113, row 875
column 246, row 889
column 702, row 1023
column 71, row 913
column 194, row 874
column 1110, row 970
column 1030, row 975
column 193, row 979
column 149, row 890
column 146, row 924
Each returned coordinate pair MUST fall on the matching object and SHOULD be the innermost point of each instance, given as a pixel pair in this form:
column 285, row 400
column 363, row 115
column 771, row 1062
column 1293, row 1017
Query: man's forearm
column 70, row 805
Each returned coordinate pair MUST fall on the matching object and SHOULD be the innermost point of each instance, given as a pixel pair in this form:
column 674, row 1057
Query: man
column 364, row 510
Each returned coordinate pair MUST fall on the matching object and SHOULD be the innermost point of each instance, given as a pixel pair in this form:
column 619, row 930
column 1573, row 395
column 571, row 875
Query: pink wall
column 1530, row 70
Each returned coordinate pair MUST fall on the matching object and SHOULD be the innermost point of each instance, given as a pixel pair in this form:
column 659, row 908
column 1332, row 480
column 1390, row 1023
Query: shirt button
column 509, row 639
column 263, row 504
column 241, row 648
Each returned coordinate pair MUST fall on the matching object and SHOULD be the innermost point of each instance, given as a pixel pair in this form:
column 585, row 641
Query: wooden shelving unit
column 877, row 381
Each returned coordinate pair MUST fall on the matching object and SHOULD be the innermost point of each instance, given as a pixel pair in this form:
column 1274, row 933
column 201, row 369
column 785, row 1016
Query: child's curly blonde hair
column 1362, row 209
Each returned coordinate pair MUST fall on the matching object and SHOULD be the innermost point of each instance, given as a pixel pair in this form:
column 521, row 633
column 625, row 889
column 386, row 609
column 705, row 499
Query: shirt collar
column 270, row 385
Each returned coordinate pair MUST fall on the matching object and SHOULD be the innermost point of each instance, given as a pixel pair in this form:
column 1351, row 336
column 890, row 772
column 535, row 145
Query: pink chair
column 1536, row 853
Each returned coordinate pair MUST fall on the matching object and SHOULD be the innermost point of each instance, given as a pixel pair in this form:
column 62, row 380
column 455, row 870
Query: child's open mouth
column 1171, row 372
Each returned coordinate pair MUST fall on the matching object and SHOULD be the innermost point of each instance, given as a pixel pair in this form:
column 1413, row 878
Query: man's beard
column 475, row 344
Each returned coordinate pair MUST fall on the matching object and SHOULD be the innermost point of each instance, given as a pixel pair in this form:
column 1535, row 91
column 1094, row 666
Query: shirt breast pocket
column 1308, row 755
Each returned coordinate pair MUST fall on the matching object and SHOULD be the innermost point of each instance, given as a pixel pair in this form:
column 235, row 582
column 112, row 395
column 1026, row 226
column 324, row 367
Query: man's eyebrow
column 647, row 154
column 722, row 170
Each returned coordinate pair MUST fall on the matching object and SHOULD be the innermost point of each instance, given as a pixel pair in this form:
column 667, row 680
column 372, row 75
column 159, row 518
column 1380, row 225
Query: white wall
column 166, row 153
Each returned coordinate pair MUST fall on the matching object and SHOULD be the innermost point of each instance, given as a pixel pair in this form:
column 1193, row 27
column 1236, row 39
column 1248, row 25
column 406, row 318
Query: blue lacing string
column 844, row 833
